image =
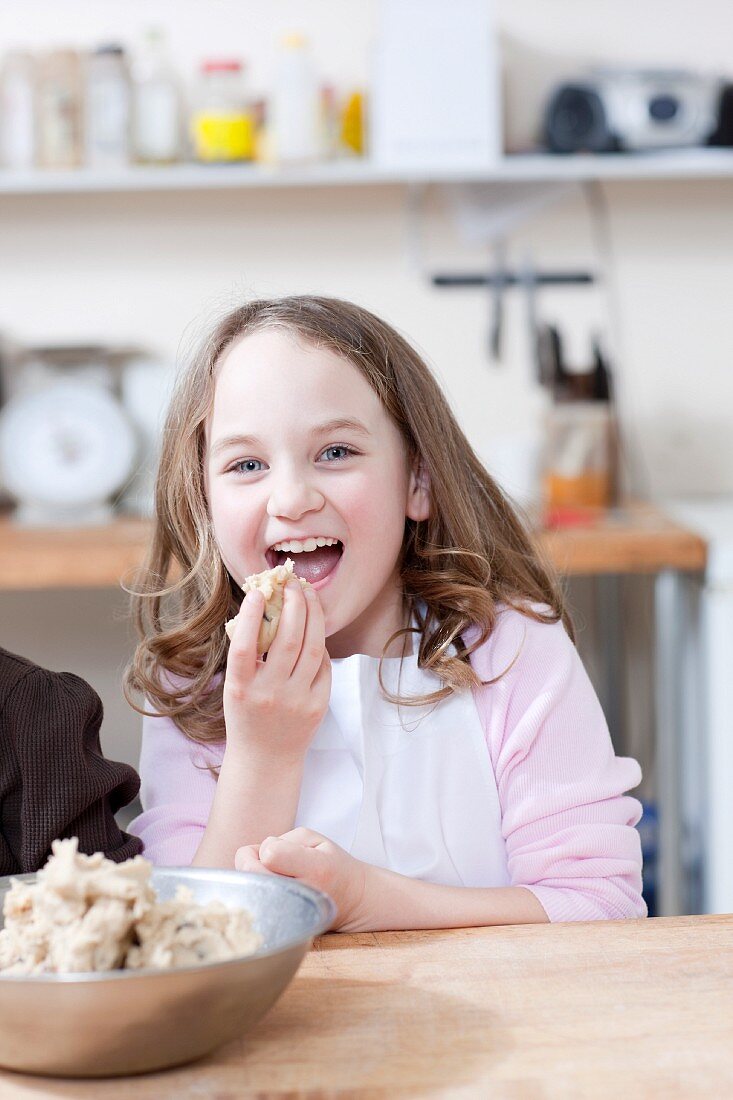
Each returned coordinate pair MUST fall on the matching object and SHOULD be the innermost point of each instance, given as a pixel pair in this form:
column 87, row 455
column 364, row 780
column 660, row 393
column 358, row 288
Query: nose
column 293, row 495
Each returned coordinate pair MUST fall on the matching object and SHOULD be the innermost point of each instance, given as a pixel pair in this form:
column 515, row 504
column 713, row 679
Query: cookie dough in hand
column 271, row 583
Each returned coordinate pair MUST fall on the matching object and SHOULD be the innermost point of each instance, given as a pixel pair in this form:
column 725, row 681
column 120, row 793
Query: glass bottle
column 156, row 104
column 107, row 115
column 59, row 110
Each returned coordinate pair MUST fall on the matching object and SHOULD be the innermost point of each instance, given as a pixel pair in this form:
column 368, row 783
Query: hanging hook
column 497, row 285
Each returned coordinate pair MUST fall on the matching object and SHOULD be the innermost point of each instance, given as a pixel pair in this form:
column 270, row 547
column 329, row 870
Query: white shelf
column 679, row 164
column 667, row 164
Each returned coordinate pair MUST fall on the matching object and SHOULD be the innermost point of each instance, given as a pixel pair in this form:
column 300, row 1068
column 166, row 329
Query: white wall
column 147, row 268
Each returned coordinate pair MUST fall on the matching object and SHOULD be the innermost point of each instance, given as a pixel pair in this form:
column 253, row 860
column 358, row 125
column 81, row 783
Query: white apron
column 410, row 789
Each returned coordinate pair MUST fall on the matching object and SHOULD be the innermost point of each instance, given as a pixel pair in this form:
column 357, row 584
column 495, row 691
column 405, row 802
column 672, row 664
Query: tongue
column 314, row 565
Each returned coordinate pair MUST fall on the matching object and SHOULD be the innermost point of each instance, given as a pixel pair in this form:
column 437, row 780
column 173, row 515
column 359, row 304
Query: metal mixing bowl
column 131, row 1021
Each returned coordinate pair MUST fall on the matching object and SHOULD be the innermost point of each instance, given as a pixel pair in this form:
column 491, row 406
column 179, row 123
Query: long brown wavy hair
column 457, row 567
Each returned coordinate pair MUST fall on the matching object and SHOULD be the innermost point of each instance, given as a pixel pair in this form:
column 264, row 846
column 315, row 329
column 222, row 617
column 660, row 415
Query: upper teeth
column 294, row 546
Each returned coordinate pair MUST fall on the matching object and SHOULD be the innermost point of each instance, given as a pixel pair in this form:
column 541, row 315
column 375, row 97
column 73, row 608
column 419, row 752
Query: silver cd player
column 626, row 109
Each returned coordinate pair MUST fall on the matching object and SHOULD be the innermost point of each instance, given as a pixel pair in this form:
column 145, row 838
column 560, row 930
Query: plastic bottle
column 59, row 110
column 295, row 108
column 107, row 121
column 222, row 126
column 156, row 114
column 353, row 124
column 17, row 124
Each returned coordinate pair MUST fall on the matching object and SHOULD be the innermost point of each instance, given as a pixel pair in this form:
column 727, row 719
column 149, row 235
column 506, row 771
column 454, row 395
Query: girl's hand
column 273, row 708
column 317, row 861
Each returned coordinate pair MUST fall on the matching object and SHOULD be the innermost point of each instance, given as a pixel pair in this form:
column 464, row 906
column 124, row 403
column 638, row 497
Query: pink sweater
column 566, row 820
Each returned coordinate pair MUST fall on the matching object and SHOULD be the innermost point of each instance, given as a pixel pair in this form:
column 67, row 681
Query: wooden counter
column 638, row 539
column 613, row 1009
column 70, row 557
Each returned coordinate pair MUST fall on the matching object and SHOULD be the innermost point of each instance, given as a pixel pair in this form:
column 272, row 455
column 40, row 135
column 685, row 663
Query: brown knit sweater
column 54, row 781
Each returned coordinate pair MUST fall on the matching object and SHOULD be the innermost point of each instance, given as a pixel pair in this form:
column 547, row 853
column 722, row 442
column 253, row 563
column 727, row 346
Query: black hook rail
column 513, row 278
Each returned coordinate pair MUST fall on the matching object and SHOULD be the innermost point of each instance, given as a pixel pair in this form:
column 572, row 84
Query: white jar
column 294, row 110
column 17, row 123
column 107, row 115
column 156, row 115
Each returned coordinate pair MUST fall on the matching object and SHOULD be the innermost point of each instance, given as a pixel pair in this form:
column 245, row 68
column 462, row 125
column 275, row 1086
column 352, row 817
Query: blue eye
column 248, row 466
column 345, row 452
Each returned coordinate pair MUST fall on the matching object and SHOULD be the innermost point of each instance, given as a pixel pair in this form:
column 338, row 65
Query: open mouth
column 311, row 562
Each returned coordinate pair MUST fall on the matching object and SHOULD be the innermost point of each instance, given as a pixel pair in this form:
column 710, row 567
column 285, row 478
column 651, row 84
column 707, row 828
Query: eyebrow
column 339, row 424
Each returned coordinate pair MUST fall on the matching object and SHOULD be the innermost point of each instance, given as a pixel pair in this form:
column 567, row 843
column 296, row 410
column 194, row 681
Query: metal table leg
column 676, row 696
column 667, row 703
column 609, row 604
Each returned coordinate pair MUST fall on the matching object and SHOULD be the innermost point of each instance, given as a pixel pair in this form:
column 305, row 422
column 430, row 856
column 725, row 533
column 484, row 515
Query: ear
column 418, row 497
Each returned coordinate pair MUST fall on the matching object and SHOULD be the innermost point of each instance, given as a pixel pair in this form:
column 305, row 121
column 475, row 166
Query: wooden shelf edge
column 36, row 558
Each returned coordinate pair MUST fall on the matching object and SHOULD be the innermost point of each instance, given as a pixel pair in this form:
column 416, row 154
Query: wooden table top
column 636, row 539
column 608, row 1009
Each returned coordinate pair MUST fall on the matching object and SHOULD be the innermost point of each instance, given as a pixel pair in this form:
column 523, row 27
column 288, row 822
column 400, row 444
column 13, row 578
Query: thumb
column 286, row 857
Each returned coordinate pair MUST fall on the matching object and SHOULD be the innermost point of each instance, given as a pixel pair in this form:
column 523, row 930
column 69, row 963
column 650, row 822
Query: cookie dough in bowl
column 157, row 1009
column 87, row 913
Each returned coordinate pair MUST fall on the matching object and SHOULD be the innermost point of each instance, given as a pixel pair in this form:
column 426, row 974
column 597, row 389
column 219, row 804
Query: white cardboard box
column 435, row 98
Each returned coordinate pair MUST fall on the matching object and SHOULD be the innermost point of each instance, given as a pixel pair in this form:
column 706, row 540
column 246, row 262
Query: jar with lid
column 60, row 110
column 107, row 115
column 222, row 124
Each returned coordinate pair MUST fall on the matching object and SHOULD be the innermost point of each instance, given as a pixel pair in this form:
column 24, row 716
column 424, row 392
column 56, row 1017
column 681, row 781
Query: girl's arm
column 191, row 819
column 254, row 798
column 567, row 821
column 177, row 789
column 393, row 902
column 372, row 899
column 272, row 710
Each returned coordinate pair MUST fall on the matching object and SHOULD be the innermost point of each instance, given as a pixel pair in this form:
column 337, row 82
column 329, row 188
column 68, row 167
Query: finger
column 307, row 837
column 322, row 679
column 285, row 857
column 314, row 639
column 247, row 859
column 242, row 656
column 285, row 649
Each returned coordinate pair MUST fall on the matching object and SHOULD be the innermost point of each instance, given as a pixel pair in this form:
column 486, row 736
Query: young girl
column 422, row 741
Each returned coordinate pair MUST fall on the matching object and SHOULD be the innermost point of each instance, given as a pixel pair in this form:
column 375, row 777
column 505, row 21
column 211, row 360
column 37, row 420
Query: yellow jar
column 222, row 125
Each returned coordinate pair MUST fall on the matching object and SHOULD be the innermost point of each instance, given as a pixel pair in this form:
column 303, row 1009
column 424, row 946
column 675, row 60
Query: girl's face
column 299, row 447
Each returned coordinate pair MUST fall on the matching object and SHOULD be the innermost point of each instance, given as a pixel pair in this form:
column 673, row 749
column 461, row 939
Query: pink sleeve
column 566, row 819
column 176, row 792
